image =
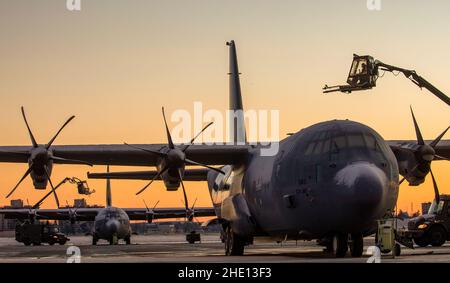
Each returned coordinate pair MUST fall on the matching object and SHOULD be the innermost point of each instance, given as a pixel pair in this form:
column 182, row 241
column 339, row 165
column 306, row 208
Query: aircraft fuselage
column 335, row 176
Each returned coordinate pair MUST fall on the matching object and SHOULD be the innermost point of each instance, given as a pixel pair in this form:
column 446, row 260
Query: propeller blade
column 76, row 209
column 438, row 157
column 420, row 140
column 161, row 154
column 51, row 184
column 193, row 205
column 145, row 204
column 145, row 187
column 20, row 181
column 33, row 140
column 401, row 181
column 72, row 161
column 438, row 139
column 169, row 137
column 191, row 162
column 38, row 204
column 193, row 139
column 435, row 186
column 57, row 133
column 154, row 178
column 186, row 205
column 155, row 204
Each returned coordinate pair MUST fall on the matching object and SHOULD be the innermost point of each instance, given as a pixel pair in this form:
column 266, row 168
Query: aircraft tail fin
column 237, row 123
column 108, row 190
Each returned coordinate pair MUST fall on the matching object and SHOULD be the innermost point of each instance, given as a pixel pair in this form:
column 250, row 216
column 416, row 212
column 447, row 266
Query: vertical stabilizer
column 108, row 190
column 237, row 125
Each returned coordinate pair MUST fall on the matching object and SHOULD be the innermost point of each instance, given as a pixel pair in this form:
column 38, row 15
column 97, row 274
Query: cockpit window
column 318, row 148
column 310, row 148
column 371, row 142
column 326, row 146
column 338, row 143
column 355, row 140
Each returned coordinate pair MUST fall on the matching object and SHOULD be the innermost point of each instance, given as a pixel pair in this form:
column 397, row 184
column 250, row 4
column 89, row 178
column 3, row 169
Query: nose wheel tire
column 339, row 245
column 114, row 240
column 356, row 245
column 94, row 240
column 128, row 240
column 234, row 244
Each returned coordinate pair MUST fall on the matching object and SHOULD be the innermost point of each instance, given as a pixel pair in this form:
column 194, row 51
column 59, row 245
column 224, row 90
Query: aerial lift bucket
column 363, row 75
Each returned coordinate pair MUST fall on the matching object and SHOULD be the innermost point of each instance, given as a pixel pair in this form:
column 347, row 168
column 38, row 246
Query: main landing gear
column 234, row 244
column 341, row 243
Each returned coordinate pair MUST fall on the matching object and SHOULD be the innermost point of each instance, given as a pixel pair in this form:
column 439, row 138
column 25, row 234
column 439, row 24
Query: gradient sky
column 115, row 63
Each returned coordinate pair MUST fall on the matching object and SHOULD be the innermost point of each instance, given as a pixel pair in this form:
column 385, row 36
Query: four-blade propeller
column 40, row 157
column 174, row 157
column 150, row 212
column 72, row 213
column 426, row 153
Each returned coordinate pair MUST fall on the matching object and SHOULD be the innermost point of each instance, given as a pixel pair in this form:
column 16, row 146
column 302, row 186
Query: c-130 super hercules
column 330, row 181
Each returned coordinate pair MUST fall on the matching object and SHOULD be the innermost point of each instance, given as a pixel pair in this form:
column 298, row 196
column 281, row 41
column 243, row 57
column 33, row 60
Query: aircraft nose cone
column 365, row 186
column 112, row 226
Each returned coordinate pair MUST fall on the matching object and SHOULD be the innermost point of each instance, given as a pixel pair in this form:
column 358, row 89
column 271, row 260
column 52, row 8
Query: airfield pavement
column 173, row 248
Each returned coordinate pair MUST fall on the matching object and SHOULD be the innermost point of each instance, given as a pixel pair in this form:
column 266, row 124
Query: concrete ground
column 173, row 248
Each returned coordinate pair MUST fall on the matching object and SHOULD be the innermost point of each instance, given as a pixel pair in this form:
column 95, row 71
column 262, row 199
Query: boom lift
column 364, row 73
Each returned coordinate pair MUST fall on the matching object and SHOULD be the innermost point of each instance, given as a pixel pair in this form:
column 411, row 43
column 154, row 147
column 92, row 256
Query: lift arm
column 81, row 185
column 416, row 79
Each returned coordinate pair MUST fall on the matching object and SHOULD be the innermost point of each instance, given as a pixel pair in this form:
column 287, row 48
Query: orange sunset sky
column 115, row 63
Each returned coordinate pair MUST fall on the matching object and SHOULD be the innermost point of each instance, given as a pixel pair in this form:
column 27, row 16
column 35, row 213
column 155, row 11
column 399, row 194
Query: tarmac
column 174, row 248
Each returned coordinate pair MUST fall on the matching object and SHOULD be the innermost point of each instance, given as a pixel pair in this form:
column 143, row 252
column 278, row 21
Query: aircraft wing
column 120, row 154
column 164, row 213
column 88, row 214
column 441, row 149
column 189, row 175
column 82, row 214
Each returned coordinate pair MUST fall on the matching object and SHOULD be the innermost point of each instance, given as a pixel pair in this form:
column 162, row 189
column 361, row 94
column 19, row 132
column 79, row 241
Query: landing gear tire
column 356, row 245
column 128, row 240
column 51, row 242
column 94, row 239
column 234, row 244
column 114, row 240
column 421, row 241
column 62, row 242
column 339, row 245
column 26, row 243
column 437, row 236
column 397, row 249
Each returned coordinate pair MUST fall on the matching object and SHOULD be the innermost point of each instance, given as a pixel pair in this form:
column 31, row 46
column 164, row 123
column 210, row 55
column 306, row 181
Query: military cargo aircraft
column 110, row 223
column 330, row 181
